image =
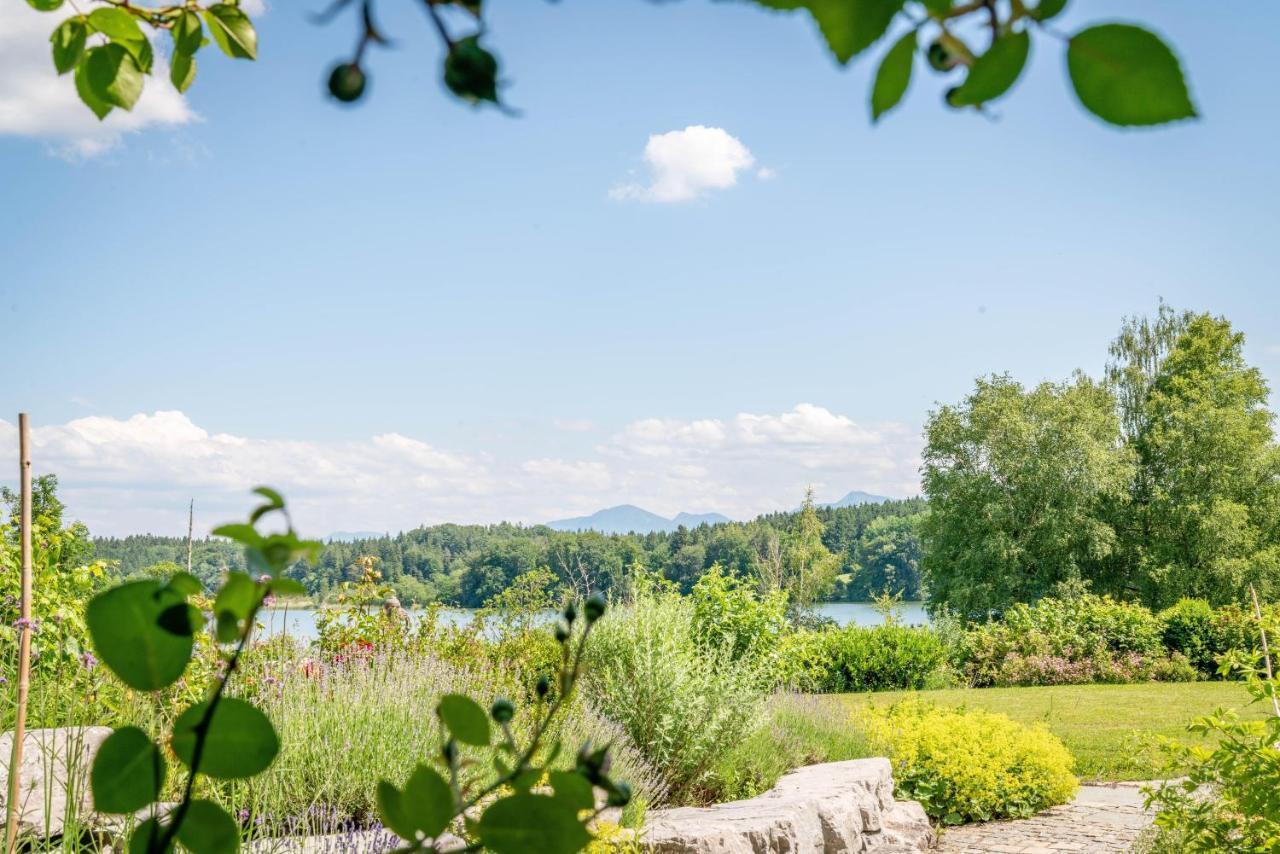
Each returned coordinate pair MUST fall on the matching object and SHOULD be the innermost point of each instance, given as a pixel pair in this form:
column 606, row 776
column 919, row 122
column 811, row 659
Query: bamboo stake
column 24, row 635
column 1266, row 652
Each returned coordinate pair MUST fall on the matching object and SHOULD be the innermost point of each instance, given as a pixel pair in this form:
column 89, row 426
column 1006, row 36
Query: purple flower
column 23, row 623
column 88, row 661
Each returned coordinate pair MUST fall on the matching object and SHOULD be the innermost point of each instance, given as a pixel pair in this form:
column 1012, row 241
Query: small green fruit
column 346, row 82
column 542, row 686
column 594, row 607
column 502, row 710
column 940, row 59
column 952, row 97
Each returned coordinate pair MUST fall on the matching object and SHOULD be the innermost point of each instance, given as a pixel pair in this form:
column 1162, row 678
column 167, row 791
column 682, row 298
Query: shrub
column 970, row 765
column 727, row 612
column 856, row 658
column 685, row 704
column 1074, row 639
column 1190, row 628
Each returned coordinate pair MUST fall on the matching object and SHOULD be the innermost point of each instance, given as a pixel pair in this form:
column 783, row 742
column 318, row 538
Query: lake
column 301, row 622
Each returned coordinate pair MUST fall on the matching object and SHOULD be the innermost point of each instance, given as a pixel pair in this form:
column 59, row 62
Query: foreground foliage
column 970, row 765
column 1122, row 73
column 146, row 632
column 1230, row 799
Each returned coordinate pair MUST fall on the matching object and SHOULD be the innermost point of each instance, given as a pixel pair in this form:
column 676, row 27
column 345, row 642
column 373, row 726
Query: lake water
column 301, row 622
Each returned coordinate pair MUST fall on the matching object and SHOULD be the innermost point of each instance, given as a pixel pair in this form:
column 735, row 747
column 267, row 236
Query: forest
column 874, row 549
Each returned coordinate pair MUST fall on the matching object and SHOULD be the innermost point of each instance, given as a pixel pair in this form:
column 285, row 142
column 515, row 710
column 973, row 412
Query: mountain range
column 627, row 518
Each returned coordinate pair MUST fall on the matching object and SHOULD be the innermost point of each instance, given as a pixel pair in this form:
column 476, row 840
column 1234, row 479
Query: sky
column 689, row 274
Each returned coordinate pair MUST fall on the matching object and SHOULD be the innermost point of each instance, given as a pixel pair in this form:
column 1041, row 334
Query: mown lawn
column 1109, row 729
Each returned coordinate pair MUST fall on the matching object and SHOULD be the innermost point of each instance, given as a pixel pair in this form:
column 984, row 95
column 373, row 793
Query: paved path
column 1101, row 819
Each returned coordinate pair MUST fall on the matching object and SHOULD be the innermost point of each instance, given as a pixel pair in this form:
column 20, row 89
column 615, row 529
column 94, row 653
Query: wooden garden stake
column 24, row 635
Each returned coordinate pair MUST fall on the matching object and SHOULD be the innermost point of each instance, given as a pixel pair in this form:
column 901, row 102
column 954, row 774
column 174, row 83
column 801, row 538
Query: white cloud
column 35, row 101
column 136, row 474
column 686, row 164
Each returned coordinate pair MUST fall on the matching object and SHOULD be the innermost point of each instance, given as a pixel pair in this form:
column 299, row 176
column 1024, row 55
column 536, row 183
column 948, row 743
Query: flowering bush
column 970, row 765
column 1074, row 639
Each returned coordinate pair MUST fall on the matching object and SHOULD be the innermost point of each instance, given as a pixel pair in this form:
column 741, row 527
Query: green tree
column 1017, row 483
column 808, row 567
column 1207, row 473
column 888, row 559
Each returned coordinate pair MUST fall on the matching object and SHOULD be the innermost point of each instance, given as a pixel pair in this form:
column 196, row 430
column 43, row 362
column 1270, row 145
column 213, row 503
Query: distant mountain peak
column 628, row 518
column 858, row 497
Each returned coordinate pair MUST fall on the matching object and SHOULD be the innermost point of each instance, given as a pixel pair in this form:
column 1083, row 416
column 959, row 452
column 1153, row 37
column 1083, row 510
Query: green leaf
column 240, row 741
column 128, row 772
column 183, row 71
column 90, row 98
column 893, row 76
column 68, row 43
column 246, row 535
column 937, row 7
column 238, row 596
column 1048, row 9
column 124, row 624
column 1127, row 76
column 232, row 30
column 44, row 5
column 428, row 801
column 285, row 586
column 526, row 822
column 181, row 619
column 122, row 28
column 993, row 73
column 465, row 719
column 227, row 627
column 392, row 811
column 849, row 26
column 207, row 829
column 113, row 75
column 187, row 32
column 573, row 789
column 146, row 838
column 185, row 584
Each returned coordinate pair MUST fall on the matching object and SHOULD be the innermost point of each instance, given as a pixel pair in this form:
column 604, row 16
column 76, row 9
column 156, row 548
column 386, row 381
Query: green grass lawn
column 1108, row 728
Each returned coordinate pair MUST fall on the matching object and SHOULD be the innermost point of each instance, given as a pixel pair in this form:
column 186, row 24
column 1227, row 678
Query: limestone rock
column 833, row 808
column 53, row 780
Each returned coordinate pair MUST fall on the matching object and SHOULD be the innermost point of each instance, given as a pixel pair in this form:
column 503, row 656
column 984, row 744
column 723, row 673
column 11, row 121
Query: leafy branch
column 1122, row 73
column 516, row 817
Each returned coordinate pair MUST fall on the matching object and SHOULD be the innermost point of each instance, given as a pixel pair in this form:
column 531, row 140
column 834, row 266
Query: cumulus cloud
column 686, row 164
column 136, row 474
column 35, row 101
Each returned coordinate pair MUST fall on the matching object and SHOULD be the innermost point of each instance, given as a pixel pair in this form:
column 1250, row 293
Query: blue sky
column 305, row 281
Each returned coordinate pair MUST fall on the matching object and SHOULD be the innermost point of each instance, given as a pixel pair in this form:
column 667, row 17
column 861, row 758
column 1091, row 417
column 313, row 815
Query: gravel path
column 1101, row 819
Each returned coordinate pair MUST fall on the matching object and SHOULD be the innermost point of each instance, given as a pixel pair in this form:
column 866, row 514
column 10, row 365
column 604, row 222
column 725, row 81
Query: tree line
column 815, row 553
